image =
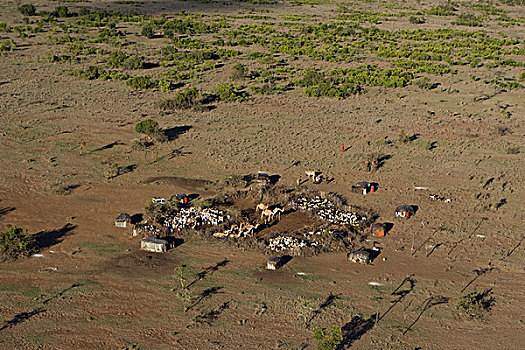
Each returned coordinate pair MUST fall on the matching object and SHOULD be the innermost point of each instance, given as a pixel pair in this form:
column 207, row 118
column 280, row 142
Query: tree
column 148, row 127
column 148, row 31
column 327, row 339
column 15, row 243
column 27, row 9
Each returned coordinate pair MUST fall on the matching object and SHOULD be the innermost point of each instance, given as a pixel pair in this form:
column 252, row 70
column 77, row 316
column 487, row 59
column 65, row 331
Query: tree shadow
column 178, row 152
column 510, row 251
column 24, row 316
column 46, row 239
column 479, row 273
column 408, row 283
column 21, row 317
column 208, row 270
column 355, row 329
column 207, row 293
column 330, row 299
column 381, row 160
column 6, row 210
column 427, row 304
column 211, row 315
column 108, row 146
column 136, row 218
column 175, row 132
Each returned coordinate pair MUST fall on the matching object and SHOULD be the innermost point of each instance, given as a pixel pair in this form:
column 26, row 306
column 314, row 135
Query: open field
column 431, row 90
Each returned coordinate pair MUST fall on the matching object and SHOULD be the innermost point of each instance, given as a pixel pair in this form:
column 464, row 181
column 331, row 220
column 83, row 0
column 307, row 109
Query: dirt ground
column 93, row 288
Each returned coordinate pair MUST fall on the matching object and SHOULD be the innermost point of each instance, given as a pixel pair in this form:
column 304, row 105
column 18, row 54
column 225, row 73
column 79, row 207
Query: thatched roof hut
column 123, row 220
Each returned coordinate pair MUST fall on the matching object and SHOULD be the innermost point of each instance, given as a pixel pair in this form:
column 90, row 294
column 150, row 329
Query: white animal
column 316, row 176
column 266, row 215
column 261, row 207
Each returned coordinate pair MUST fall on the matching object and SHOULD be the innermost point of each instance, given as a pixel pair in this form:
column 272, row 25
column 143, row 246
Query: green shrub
column 133, row 62
column 424, row 83
column 468, row 19
column 148, row 31
column 312, row 77
column 156, row 212
column 476, row 304
column 148, row 127
column 4, row 27
column 7, row 45
column 141, row 82
column 118, row 59
column 228, row 92
column 61, row 11
column 416, row 20
column 239, row 71
column 327, row 339
column 188, row 98
column 94, row 72
column 445, row 9
column 14, row 243
column 27, row 10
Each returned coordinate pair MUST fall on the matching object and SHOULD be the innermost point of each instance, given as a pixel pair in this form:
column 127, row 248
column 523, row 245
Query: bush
column 118, row 59
column 155, row 212
column 416, row 20
column 185, row 99
column 476, row 304
column 14, row 243
column 239, row 71
column 61, row 11
column 133, row 62
column 148, row 127
column 27, row 10
column 148, row 31
column 228, row 92
column 312, row 77
column 424, row 83
column 468, row 19
column 141, row 82
column 7, row 45
column 327, row 339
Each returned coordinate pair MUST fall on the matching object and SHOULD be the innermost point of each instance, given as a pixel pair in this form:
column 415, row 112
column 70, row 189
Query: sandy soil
column 94, row 289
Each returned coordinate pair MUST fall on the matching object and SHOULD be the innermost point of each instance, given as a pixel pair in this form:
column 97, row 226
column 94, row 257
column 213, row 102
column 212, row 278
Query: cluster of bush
column 187, row 98
column 118, row 59
column 94, row 72
column 16, row 243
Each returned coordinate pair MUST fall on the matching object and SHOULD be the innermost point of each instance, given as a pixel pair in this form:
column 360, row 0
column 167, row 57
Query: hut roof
column 155, row 240
column 362, row 184
column 123, row 217
column 407, row 208
column 275, row 259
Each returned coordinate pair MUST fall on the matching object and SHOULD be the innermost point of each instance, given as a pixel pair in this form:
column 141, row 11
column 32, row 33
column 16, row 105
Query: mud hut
column 274, row 263
column 378, row 229
column 123, row 220
column 364, row 187
column 405, row 211
column 182, row 198
column 154, row 245
column 359, row 256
